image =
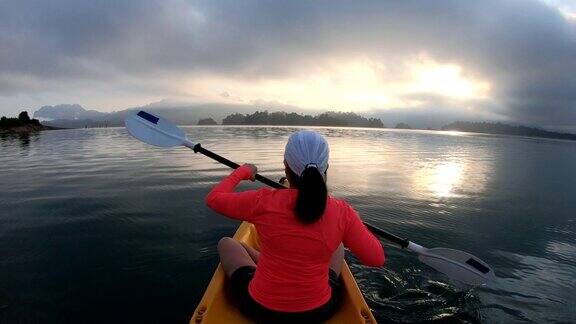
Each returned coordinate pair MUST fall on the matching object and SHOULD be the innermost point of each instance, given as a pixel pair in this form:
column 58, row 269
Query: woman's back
column 292, row 272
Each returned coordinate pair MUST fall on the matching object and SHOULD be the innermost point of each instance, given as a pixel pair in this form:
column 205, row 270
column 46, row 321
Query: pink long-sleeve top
column 292, row 271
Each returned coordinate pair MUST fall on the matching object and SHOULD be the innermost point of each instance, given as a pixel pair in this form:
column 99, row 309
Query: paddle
column 458, row 265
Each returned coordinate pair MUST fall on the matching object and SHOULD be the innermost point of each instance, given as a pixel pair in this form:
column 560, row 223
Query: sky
column 483, row 59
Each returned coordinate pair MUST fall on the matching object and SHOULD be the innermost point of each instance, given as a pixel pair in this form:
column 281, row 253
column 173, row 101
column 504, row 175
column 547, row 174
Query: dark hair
column 312, row 195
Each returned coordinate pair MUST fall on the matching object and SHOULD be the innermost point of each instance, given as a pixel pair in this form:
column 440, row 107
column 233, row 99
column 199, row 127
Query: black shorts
column 239, row 288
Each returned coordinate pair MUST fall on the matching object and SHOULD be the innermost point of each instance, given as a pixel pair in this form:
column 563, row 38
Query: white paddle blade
column 458, row 265
column 154, row 130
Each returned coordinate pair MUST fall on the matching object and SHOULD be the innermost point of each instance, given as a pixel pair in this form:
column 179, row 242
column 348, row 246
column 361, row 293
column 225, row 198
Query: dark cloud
column 527, row 49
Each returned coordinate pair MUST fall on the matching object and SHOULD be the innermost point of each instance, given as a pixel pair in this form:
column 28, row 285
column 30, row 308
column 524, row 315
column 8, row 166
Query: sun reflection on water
column 451, row 178
column 445, row 177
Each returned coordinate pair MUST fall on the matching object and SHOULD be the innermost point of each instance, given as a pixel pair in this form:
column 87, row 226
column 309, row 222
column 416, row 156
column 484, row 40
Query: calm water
column 98, row 227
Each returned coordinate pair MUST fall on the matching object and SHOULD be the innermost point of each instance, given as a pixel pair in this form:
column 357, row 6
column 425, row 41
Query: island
column 403, row 126
column 207, row 121
column 505, row 129
column 280, row 118
column 21, row 124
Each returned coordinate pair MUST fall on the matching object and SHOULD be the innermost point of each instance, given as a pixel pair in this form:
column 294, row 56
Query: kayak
column 215, row 306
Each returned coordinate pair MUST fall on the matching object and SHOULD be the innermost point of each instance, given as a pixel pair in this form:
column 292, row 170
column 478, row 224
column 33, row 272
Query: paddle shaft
column 402, row 242
column 199, row 149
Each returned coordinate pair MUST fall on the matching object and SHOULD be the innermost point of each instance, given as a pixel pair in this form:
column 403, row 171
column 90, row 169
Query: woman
column 295, row 276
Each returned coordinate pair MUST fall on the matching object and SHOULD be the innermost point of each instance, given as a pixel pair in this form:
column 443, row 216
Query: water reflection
column 99, row 204
column 423, row 167
column 446, row 177
column 22, row 139
column 440, row 179
column 452, row 178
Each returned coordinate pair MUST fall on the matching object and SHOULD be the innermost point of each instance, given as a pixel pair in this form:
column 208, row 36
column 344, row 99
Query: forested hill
column 22, row 124
column 499, row 128
column 344, row 119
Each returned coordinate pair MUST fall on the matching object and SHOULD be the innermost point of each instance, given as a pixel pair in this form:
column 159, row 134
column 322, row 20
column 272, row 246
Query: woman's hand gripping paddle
column 458, row 265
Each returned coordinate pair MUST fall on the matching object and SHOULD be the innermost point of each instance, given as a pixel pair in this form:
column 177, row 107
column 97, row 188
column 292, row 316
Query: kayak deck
column 215, row 306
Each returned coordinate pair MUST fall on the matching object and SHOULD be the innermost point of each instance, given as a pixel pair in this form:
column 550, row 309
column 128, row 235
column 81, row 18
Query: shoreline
column 26, row 129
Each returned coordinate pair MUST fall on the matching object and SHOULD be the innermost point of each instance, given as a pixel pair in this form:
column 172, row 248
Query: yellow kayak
column 216, row 308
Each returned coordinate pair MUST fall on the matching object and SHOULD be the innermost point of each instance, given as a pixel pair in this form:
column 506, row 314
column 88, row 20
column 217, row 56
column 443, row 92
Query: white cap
column 305, row 149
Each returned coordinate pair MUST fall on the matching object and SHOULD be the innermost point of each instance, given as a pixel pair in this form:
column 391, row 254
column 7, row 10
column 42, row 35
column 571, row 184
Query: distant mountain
column 500, row 128
column 182, row 113
column 73, row 112
column 75, row 116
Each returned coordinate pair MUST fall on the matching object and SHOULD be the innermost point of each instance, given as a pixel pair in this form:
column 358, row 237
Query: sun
column 445, row 80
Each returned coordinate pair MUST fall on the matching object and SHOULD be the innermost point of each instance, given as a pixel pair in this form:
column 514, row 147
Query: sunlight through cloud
column 354, row 85
column 446, row 80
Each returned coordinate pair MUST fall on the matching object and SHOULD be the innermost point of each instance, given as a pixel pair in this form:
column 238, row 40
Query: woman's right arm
column 238, row 205
column 363, row 244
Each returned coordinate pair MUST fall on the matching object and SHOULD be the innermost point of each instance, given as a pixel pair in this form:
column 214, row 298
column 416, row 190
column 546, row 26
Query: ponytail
column 312, row 195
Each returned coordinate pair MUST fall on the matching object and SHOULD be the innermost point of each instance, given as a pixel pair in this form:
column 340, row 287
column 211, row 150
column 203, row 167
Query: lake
column 98, row 227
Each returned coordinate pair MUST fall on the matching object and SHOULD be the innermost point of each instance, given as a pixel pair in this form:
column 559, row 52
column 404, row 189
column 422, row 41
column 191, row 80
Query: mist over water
column 98, row 227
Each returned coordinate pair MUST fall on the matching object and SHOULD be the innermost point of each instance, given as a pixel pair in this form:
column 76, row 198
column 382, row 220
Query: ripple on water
column 95, row 224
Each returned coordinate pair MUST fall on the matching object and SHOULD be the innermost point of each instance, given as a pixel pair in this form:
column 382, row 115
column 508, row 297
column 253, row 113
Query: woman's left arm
column 237, row 205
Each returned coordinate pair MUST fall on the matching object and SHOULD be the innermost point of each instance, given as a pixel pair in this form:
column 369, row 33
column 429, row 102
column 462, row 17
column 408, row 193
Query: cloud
column 523, row 51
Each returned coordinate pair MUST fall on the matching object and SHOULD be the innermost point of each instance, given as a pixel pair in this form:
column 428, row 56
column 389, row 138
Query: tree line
column 22, row 120
column 500, row 128
column 343, row 119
